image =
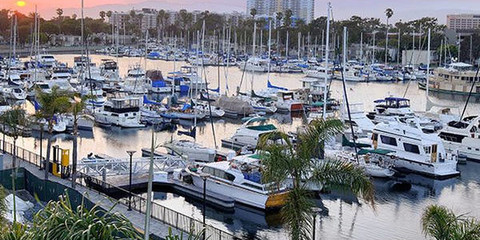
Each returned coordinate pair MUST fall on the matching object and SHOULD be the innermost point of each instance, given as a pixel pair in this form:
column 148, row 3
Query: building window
column 388, row 140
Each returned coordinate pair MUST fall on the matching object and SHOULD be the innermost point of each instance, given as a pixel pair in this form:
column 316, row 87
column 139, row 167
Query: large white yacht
column 463, row 137
column 123, row 112
column 415, row 150
column 240, row 179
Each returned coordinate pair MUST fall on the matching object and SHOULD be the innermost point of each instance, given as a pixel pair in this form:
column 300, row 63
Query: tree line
column 184, row 25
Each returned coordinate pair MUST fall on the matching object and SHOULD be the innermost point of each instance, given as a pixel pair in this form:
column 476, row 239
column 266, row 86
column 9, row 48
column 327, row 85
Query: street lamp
column 316, row 211
column 130, row 153
column 204, row 177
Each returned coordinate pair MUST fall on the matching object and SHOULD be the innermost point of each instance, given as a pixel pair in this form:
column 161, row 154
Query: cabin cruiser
column 463, row 137
column 240, row 179
column 191, row 150
column 136, row 81
column 414, row 150
column 15, row 93
column 59, row 124
column 398, row 109
column 361, row 123
column 286, row 102
column 319, row 72
column 47, row 60
column 109, row 70
column 123, row 112
column 208, row 109
column 371, row 160
column 249, row 133
column 61, row 73
column 456, row 78
column 255, row 64
column 389, row 108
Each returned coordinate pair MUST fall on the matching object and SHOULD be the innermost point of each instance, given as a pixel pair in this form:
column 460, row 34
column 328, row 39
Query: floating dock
column 162, row 182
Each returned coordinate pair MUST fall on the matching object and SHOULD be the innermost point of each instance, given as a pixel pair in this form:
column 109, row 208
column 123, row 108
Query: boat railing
column 138, row 203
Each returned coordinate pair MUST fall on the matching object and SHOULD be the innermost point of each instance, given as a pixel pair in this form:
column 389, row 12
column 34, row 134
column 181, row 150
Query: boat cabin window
column 473, row 130
column 388, row 140
column 218, row 173
column 428, row 149
column 451, row 137
column 411, row 148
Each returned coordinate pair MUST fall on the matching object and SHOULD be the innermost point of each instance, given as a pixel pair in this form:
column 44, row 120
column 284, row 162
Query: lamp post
column 204, row 176
column 130, row 153
column 41, row 147
column 315, row 212
column 3, row 142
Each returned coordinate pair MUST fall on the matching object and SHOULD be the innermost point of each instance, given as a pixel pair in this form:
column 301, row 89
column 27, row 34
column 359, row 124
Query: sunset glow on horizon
column 21, row 3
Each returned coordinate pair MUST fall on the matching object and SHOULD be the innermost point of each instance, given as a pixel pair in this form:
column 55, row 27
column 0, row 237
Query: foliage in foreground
column 442, row 224
column 299, row 162
column 59, row 221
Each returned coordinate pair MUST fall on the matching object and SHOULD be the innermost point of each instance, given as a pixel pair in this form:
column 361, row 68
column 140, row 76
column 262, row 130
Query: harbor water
column 396, row 214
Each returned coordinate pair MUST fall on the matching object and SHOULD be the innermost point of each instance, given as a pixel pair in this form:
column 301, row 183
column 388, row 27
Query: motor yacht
column 463, row 137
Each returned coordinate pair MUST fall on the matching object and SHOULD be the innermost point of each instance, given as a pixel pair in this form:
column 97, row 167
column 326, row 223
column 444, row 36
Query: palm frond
column 344, row 176
column 297, row 213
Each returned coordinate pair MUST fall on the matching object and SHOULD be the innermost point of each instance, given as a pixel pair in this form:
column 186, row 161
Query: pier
column 162, row 220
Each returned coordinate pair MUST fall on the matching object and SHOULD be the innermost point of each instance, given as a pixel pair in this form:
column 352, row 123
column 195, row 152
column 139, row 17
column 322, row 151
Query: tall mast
column 428, row 65
column 269, row 47
column 327, row 46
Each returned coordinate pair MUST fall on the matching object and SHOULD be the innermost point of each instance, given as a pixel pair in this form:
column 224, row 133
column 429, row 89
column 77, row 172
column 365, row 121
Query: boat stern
column 276, row 201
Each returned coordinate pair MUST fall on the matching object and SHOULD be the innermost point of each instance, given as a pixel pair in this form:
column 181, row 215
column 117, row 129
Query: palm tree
column 253, row 12
column 287, row 22
column 15, row 122
column 442, row 224
column 389, row 14
column 59, row 13
column 53, row 103
column 299, row 162
column 76, row 108
column 102, row 15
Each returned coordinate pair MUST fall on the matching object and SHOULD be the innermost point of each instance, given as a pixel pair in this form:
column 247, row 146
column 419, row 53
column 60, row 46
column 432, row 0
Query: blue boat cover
column 269, row 85
column 150, row 102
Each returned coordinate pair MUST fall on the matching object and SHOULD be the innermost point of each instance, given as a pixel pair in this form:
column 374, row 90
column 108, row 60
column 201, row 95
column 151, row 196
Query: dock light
column 21, row 3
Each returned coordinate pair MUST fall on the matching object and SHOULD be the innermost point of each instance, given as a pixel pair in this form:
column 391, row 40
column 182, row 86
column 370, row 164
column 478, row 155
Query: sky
column 403, row 9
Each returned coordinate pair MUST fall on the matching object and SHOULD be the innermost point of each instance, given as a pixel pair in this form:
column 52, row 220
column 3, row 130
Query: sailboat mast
column 345, row 97
column 35, row 44
column 428, row 64
column 269, row 48
column 14, row 35
column 327, row 46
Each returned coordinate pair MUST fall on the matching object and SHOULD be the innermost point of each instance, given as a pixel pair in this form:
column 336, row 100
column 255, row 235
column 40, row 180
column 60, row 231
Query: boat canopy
column 267, row 127
column 379, row 151
column 347, row 143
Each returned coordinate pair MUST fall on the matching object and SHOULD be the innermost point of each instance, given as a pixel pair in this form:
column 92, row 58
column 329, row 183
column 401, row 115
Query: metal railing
column 138, row 203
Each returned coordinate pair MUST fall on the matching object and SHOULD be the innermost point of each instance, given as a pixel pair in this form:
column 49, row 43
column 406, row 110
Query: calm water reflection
column 396, row 215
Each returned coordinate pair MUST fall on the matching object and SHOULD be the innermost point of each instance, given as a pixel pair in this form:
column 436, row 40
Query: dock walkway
column 157, row 228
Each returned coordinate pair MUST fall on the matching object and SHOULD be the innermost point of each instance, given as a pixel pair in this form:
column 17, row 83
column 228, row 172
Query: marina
column 243, row 126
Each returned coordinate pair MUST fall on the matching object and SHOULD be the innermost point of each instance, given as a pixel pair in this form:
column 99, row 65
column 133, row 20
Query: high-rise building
column 463, row 21
column 301, row 9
